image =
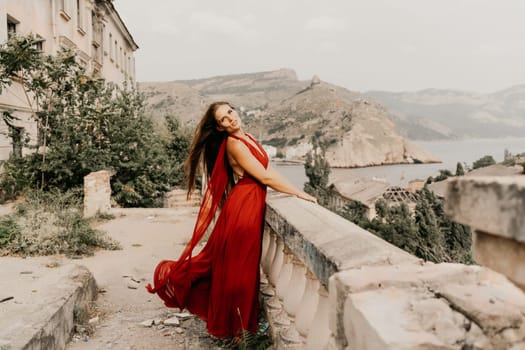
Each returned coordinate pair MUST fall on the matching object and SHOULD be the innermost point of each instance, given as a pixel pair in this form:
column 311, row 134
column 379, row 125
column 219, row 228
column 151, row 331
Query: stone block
column 430, row 306
column 500, row 254
column 97, row 193
column 494, row 205
column 42, row 313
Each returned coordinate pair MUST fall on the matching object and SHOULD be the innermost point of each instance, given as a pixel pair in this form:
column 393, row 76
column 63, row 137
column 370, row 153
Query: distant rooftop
column 440, row 188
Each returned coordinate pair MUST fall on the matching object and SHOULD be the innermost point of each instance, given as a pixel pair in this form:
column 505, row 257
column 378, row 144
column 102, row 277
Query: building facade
column 366, row 192
column 93, row 28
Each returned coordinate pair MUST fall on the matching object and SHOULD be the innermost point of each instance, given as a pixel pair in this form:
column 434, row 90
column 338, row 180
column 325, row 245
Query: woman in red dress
column 220, row 284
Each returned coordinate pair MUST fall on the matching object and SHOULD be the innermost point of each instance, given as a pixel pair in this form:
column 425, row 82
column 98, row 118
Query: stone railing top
column 325, row 242
column 438, row 306
column 494, row 205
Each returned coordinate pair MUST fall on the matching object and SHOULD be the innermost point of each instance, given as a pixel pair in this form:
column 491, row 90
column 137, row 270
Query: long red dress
column 221, row 283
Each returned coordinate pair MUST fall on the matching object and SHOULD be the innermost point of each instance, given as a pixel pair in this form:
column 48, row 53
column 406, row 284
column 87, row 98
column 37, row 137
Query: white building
column 93, row 28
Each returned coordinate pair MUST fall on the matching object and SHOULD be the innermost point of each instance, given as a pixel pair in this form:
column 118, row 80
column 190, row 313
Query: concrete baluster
column 284, row 275
column 305, row 314
column 318, row 337
column 277, row 263
column 265, row 243
column 295, row 289
column 270, row 253
column 292, row 300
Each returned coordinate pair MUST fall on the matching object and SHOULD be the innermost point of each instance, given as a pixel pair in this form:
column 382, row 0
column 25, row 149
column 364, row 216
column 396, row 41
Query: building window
column 12, row 26
column 39, row 43
column 16, row 134
column 96, row 25
column 64, row 9
column 110, row 46
column 97, row 43
column 80, row 17
column 116, row 53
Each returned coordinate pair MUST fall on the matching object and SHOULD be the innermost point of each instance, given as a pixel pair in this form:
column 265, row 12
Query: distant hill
column 356, row 131
column 286, row 113
column 440, row 114
column 188, row 98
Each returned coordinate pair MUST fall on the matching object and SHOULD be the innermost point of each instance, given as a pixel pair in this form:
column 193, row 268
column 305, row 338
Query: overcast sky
column 396, row 45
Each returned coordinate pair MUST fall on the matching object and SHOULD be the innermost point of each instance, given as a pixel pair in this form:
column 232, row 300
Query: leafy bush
column 483, row 162
column 9, row 230
column 51, row 223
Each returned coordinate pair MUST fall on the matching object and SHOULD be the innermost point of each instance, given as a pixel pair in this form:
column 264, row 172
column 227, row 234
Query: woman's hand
column 307, row 197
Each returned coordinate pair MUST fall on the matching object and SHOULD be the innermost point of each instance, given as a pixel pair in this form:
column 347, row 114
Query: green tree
column 356, row 212
column 483, row 162
column 317, row 170
column 443, row 175
column 395, row 225
column 85, row 125
column 460, row 171
column 431, row 245
column 177, row 144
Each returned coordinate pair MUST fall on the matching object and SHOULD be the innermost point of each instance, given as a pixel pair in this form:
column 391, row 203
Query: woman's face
column 227, row 119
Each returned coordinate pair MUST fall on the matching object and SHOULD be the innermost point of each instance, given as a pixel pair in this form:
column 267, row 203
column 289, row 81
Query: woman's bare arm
column 270, row 177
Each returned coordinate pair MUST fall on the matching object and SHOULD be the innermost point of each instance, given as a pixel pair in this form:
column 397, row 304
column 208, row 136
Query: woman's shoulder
column 233, row 141
column 235, row 145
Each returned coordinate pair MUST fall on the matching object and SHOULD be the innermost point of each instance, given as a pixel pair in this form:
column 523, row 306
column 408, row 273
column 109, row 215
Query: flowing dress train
column 221, row 283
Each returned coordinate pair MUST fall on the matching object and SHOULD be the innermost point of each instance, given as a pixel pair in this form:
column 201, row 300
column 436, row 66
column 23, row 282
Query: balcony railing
column 329, row 284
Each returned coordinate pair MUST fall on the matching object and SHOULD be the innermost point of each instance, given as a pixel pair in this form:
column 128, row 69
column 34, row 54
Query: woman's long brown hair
column 205, row 146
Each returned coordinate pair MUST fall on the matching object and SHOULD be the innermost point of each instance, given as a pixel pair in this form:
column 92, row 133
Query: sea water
column 450, row 152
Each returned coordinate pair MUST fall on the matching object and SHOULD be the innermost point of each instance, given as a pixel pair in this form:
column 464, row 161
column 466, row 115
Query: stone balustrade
column 328, row 284
column 494, row 207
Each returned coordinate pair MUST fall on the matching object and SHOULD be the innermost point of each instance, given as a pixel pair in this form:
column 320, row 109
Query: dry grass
column 47, row 223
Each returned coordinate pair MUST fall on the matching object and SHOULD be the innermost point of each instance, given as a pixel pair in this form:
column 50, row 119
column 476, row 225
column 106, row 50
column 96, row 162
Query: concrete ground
column 114, row 321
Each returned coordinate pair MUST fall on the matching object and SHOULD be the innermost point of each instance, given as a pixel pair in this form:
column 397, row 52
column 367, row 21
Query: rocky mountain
column 188, row 98
column 286, row 113
column 355, row 131
column 438, row 114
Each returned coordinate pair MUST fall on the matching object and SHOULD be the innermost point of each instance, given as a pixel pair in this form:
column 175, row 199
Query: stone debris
column 174, row 321
column 179, row 330
column 80, row 329
column 53, row 264
column 93, row 320
column 147, row 323
column 132, row 283
column 183, row 315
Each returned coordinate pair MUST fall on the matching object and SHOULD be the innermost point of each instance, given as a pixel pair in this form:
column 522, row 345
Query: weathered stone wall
column 495, row 208
column 97, row 193
column 333, row 285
